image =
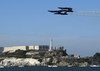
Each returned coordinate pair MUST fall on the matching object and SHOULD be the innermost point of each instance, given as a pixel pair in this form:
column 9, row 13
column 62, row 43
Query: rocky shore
column 44, row 58
column 17, row 62
column 12, row 62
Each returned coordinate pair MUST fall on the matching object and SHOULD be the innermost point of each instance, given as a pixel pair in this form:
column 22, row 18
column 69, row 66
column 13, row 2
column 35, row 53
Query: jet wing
column 64, row 8
column 54, row 11
column 61, row 13
column 65, row 13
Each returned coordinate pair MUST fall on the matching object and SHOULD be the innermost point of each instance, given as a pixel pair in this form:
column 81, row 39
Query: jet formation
column 63, row 10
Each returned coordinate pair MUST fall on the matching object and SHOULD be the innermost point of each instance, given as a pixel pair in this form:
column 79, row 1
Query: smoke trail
column 87, row 15
column 96, row 12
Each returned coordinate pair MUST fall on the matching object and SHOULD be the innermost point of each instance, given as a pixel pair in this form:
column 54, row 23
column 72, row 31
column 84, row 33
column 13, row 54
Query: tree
column 96, row 55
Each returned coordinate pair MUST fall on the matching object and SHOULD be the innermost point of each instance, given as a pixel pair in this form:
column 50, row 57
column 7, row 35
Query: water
column 50, row 69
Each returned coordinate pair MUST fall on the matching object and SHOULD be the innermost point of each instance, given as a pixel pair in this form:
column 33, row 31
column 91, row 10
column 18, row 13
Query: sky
column 28, row 22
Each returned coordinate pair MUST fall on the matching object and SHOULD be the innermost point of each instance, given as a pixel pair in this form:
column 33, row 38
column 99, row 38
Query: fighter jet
column 66, row 8
column 63, row 11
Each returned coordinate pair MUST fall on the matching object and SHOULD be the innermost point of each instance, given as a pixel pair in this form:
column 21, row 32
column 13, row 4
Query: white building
column 14, row 48
column 42, row 47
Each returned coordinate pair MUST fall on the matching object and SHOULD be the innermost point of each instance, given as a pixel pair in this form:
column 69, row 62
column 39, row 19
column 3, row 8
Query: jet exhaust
column 96, row 12
column 87, row 15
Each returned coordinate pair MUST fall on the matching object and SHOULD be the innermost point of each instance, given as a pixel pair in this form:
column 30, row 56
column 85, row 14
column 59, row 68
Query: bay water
column 50, row 69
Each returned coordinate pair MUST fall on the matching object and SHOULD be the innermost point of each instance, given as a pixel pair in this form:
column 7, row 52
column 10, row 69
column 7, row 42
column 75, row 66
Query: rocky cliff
column 19, row 62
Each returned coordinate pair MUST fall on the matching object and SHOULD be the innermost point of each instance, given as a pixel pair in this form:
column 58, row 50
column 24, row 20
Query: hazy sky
column 28, row 22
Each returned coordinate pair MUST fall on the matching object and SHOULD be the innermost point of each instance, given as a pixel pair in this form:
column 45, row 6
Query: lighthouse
column 51, row 47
